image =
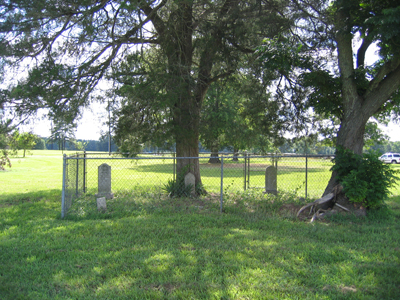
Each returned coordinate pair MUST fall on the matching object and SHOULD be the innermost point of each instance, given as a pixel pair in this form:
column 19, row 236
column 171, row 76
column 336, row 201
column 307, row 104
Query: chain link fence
column 305, row 176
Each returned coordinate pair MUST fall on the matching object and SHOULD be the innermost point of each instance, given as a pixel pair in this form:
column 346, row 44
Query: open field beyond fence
column 43, row 170
column 149, row 246
column 147, row 173
column 303, row 176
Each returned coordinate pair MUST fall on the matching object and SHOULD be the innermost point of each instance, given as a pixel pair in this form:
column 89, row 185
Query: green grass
column 148, row 246
column 41, row 170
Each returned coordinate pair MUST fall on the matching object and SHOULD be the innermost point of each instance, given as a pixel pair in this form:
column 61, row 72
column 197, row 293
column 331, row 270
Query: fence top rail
column 205, row 153
column 202, row 157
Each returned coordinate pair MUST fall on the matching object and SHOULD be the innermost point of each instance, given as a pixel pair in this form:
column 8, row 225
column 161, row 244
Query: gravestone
column 101, row 203
column 190, row 180
column 271, row 180
column 104, row 182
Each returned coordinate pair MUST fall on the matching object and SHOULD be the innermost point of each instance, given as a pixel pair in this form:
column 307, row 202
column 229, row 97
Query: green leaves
column 282, row 55
column 386, row 26
column 326, row 96
column 365, row 179
column 4, row 159
column 50, row 85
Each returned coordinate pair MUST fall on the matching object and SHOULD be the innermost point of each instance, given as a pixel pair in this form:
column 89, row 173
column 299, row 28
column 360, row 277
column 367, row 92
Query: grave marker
column 271, row 180
column 101, row 203
column 190, row 179
column 104, row 182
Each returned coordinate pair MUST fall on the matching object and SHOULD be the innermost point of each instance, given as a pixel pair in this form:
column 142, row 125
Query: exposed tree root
column 314, row 205
column 322, row 207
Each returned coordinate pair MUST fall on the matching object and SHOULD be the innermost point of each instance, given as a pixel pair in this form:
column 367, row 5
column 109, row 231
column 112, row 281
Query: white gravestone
column 271, row 180
column 190, row 180
column 101, row 203
column 104, row 182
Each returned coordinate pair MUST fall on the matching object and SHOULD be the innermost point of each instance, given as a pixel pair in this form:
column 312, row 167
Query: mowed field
column 148, row 246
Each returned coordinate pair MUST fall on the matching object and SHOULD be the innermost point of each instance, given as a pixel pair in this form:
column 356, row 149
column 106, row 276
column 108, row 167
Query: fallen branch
column 342, row 207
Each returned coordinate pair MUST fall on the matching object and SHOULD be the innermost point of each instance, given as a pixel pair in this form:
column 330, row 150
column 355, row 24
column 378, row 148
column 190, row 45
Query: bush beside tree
column 365, row 179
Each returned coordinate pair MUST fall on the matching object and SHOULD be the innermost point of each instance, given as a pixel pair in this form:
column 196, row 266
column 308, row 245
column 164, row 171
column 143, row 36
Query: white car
column 390, row 158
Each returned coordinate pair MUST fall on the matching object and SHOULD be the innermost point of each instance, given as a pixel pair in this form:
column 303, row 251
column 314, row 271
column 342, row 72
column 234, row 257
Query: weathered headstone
column 104, row 182
column 101, row 203
column 271, row 180
column 190, row 180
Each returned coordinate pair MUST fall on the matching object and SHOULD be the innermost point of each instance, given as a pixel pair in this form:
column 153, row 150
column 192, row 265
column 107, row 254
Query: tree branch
column 361, row 53
column 151, row 13
column 382, row 92
column 220, row 76
column 382, row 73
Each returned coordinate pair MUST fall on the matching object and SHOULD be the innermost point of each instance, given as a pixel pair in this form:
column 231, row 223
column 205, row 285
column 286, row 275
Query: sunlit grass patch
column 147, row 245
column 164, row 248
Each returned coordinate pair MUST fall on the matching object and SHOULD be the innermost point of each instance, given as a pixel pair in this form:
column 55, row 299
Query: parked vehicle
column 390, row 158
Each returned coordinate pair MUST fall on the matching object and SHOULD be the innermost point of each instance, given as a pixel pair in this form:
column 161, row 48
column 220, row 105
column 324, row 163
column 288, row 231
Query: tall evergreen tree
column 74, row 45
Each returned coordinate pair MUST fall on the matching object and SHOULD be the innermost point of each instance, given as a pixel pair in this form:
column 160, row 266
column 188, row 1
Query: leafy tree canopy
column 323, row 65
column 163, row 55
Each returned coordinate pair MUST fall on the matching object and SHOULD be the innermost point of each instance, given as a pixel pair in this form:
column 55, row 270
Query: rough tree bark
column 177, row 44
column 189, row 93
column 214, row 158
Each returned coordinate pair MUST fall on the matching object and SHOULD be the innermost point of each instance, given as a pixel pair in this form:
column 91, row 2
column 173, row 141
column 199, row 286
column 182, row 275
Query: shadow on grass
column 162, row 248
column 30, row 197
column 234, row 169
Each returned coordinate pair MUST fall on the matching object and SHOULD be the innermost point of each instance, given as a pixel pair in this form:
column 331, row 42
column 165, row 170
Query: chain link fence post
column 248, row 170
column 245, row 169
column 77, row 176
column 174, row 166
column 84, row 171
column 306, row 176
column 222, row 184
column 63, row 208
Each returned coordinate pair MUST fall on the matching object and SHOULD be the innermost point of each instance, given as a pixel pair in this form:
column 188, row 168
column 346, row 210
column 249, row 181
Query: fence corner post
column 222, row 184
column 63, row 186
column 245, row 169
column 306, row 181
column 84, row 171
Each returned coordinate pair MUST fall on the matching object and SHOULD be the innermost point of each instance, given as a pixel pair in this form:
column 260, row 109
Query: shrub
column 4, row 160
column 177, row 188
column 40, row 144
column 365, row 178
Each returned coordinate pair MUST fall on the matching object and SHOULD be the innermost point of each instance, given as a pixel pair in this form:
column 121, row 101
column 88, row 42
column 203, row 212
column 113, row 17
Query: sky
column 92, row 123
column 90, row 126
column 392, row 130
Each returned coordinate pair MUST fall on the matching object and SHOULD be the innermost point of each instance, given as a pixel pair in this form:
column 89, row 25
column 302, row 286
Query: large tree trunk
column 214, row 158
column 352, row 126
column 187, row 152
column 187, row 122
column 177, row 44
column 359, row 104
column 235, row 155
column 350, row 136
column 187, row 90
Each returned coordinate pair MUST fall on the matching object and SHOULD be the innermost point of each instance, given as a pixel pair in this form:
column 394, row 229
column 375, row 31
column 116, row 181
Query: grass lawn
column 148, row 246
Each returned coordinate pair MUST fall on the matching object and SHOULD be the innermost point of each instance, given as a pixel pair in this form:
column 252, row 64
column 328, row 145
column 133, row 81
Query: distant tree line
column 79, row 144
column 387, row 147
column 28, row 141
